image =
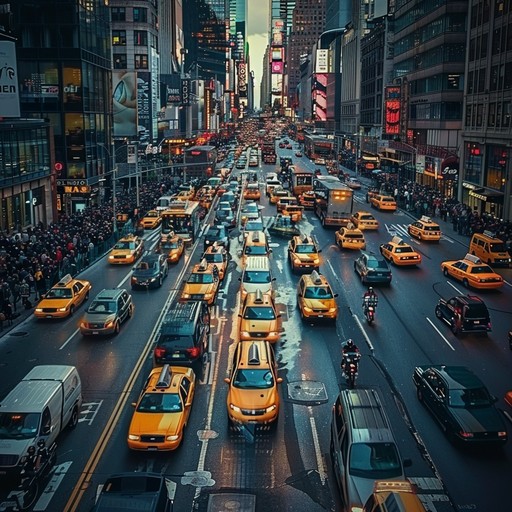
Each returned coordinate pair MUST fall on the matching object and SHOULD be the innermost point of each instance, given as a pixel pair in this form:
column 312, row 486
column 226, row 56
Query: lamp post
column 114, row 179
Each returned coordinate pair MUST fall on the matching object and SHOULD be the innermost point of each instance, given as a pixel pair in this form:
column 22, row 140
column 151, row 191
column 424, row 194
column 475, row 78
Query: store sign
column 71, row 183
column 9, row 89
column 83, row 189
column 185, row 92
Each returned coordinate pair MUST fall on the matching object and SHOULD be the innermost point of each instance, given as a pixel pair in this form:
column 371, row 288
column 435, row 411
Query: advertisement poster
column 9, row 88
column 124, row 85
column 144, row 122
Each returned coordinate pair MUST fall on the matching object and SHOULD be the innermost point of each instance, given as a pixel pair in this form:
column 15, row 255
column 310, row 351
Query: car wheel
column 117, row 328
column 71, row 310
column 454, row 327
column 445, row 272
column 419, row 394
column 465, row 283
column 439, row 314
column 130, row 311
column 86, row 296
column 73, row 421
column 160, row 281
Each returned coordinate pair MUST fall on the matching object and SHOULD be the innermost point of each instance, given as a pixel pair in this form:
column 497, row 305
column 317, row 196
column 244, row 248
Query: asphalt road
column 289, row 469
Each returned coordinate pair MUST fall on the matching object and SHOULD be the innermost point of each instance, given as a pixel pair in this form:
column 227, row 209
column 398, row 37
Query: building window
column 140, row 15
column 120, row 61
column 118, row 13
column 141, row 62
column 140, row 38
column 496, row 169
column 118, row 37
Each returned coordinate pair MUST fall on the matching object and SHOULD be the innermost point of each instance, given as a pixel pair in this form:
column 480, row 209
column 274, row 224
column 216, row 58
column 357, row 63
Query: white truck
column 334, row 201
column 47, row 400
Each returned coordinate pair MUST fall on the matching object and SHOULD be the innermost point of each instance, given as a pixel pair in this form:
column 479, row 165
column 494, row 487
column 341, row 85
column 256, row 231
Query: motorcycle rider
column 349, row 351
column 42, row 454
column 370, row 298
column 29, row 465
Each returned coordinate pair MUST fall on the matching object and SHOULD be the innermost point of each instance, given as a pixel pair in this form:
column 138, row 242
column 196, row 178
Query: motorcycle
column 27, row 492
column 369, row 307
column 350, row 368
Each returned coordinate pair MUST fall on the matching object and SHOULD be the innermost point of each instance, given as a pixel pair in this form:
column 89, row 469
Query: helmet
column 41, row 443
column 31, row 450
column 370, row 289
column 349, row 343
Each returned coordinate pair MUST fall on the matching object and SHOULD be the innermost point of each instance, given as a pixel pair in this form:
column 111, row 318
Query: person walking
column 40, row 283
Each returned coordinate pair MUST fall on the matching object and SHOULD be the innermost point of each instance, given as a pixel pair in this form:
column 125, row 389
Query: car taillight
column 159, row 352
column 193, row 352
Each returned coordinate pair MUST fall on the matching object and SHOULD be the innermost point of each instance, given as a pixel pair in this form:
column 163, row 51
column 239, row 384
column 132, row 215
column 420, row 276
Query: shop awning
column 487, row 195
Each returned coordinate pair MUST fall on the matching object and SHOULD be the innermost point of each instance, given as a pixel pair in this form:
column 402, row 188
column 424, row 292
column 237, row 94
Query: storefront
column 482, row 199
column 441, row 174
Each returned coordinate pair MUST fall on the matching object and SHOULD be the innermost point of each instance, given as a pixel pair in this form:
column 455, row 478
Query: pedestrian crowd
column 33, row 260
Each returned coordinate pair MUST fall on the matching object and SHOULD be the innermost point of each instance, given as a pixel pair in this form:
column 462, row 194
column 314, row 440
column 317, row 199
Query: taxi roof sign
column 425, row 218
column 315, row 277
column 164, row 379
column 65, row 280
column 398, row 240
column 472, row 258
column 393, row 486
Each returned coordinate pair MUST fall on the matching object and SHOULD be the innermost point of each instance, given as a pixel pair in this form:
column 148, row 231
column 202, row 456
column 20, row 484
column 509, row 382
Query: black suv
column 217, row 234
column 464, row 313
column 372, row 269
column 184, row 334
column 150, row 272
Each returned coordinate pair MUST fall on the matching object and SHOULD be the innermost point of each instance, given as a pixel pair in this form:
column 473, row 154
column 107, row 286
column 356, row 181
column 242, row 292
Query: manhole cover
column 307, row 391
column 226, row 502
column 18, row 333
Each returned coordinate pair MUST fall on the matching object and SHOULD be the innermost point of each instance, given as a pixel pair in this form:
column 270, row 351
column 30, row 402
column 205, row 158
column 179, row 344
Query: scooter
column 349, row 370
column 369, row 313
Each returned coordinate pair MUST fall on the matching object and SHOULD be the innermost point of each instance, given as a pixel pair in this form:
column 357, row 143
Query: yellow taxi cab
column 303, row 253
column 315, row 298
column 218, row 256
column 127, row 250
column 277, row 193
column 162, row 410
column 384, row 203
column 63, row 298
column 350, row 237
column 393, row 495
column 252, row 192
column 185, row 195
column 364, row 221
column 471, row 271
column 425, row 229
column 255, row 244
column 293, row 211
column 285, row 201
column 202, row 283
column 151, row 220
column 253, row 395
column 400, row 253
column 172, row 246
column 307, row 200
column 259, row 318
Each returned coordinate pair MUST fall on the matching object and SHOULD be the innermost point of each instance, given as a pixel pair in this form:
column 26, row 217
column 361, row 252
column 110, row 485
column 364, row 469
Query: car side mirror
column 279, row 380
column 47, row 430
column 407, row 463
column 134, row 404
column 239, row 278
column 319, row 250
column 226, row 380
column 239, row 316
column 335, row 295
column 273, row 279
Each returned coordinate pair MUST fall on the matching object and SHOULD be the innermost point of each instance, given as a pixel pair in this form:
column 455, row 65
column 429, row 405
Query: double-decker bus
column 184, row 219
column 302, row 180
column 199, row 162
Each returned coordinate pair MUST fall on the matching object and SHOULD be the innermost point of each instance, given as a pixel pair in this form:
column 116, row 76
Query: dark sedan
column 217, row 234
column 460, row 403
column 150, row 272
column 372, row 269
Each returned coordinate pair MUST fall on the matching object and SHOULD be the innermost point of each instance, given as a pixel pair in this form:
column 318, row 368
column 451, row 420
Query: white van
column 256, row 276
column 47, row 400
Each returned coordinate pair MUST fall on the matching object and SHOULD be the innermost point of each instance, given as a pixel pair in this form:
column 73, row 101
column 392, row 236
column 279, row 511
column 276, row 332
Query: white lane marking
column 71, row 336
column 318, row 452
column 58, row 475
column 455, row 288
column 368, row 342
column 439, row 332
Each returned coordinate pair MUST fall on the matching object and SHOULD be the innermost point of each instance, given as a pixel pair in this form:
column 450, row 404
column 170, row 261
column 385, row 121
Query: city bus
column 302, row 180
column 199, row 162
column 184, row 219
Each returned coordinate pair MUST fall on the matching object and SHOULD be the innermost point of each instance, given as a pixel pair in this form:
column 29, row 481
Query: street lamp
column 114, row 178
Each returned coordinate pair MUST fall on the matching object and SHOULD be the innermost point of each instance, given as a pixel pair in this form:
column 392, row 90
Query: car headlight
column 133, row 437
column 271, row 408
column 152, row 280
column 207, row 242
column 308, row 310
column 39, row 310
column 332, row 310
column 185, row 295
column 234, row 408
column 273, row 333
column 208, row 296
column 172, row 438
column 316, row 261
column 61, row 310
column 296, row 261
column 245, row 334
column 134, row 279
column 109, row 323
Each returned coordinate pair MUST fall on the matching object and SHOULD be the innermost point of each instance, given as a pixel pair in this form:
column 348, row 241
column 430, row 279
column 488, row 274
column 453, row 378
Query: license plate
column 152, row 449
column 320, row 316
column 476, row 321
column 48, row 316
column 176, row 356
column 95, row 332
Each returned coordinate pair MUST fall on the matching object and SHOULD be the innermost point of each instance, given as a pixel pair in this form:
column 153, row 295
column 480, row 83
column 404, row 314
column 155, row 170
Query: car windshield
column 152, row 214
column 255, row 225
column 146, row 265
column 253, row 379
column 200, row 278
column 59, row 293
column 367, row 217
column 256, row 276
column 215, row 233
column 160, row 402
column 318, row 292
column 259, row 313
column 474, row 397
column 175, row 341
column 482, row 269
column 498, row 247
column 431, row 228
column 375, row 461
column 401, row 250
column 306, row 249
column 377, row 264
column 125, row 246
column 214, row 258
column 476, row 311
column 19, row 425
column 255, row 250
column 102, row 307
column 353, row 235
column 169, row 245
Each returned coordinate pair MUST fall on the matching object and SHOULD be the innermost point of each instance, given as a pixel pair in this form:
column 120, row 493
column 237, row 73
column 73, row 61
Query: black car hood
column 145, row 273
column 479, row 419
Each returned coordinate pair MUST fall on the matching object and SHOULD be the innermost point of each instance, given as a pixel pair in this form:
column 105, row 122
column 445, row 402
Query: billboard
column 277, row 84
column 277, row 67
column 276, row 53
column 319, row 96
column 9, row 88
column 242, row 79
column 124, row 99
column 392, row 108
column 322, row 61
column 185, row 92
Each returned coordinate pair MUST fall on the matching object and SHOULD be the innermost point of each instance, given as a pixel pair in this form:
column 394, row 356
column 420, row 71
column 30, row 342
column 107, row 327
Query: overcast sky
column 257, row 35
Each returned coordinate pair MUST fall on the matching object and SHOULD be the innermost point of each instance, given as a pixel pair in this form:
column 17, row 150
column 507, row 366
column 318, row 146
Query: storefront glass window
column 496, row 168
column 473, row 163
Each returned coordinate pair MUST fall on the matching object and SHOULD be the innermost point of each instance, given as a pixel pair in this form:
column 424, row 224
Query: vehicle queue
column 254, row 366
